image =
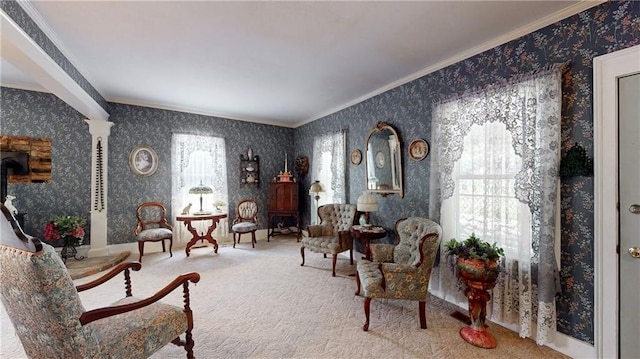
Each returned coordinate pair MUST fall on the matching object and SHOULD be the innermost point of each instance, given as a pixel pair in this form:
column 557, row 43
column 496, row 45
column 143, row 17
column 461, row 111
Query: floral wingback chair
column 45, row 308
column 401, row 271
column 331, row 236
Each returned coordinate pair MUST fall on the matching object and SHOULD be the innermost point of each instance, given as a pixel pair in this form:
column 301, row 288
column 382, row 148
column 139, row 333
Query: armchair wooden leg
column 423, row 317
column 253, row 239
column 357, row 283
column 164, row 249
column 302, row 254
column 170, row 247
column 234, row 239
column 351, row 256
column 140, row 250
column 367, row 306
column 333, row 265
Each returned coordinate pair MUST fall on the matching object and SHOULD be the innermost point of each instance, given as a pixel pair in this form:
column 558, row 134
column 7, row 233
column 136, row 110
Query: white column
column 100, row 131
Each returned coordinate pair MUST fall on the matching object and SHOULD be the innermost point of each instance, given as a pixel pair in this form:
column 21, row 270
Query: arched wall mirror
column 384, row 160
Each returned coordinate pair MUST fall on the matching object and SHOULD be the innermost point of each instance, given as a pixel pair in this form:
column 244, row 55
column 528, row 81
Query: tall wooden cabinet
column 283, row 202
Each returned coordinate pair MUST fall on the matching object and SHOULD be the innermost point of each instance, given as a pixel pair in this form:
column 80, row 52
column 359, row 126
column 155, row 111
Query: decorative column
column 100, row 131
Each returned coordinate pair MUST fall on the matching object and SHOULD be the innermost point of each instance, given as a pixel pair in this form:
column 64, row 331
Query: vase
column 480, row 276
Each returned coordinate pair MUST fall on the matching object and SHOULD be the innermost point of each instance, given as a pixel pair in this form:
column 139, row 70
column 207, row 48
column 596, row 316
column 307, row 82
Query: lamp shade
column 316, row 188
column 201, row 189
column 367, row 202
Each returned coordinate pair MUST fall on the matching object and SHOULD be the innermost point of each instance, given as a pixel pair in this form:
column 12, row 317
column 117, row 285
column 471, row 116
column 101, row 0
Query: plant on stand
column 476, row 265
column 68, row 228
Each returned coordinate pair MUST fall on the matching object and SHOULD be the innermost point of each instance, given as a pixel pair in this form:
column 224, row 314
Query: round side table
column 366, row 234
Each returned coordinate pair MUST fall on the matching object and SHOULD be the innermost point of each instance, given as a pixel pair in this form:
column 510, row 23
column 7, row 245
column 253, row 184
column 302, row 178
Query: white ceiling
column 284, row 63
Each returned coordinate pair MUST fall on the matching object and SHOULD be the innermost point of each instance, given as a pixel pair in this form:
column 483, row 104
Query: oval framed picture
column 418, row 149
column 356, row 157
column 143, row 160
column 380, row 160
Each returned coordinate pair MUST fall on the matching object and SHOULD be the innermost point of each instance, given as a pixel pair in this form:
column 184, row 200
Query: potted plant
column 477, row 265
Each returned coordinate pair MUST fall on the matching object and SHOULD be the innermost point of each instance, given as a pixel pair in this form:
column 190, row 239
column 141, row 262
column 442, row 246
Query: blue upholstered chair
column 152, row 226
column 246, row 221
column 331, row 236
column 45, row 308
column 401, row 271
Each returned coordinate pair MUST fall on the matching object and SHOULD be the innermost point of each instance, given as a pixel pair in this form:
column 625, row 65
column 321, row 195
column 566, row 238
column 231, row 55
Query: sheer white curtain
column 528, row 107
column 328, row 167
column 197, row 159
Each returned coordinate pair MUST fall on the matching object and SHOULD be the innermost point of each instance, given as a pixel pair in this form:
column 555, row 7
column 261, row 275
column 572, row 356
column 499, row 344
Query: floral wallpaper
column 37, row 114
column 578, row 39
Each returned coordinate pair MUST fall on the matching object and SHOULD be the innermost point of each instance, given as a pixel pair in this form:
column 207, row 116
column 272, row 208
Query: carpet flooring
column 260, row 303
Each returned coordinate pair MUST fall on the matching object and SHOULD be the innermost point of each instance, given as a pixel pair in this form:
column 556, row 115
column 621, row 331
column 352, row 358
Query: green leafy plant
column 473, row 248
column 64, row 226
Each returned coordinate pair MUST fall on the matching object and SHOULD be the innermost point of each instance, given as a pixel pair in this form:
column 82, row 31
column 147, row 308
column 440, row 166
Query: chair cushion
column 324, row 244
column 244, row 227
column 370, row 279
column 155, row 234
column 139, row 333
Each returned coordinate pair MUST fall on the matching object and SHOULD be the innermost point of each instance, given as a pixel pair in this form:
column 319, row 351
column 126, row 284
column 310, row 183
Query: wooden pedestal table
column 188, row 219
column 366, row 234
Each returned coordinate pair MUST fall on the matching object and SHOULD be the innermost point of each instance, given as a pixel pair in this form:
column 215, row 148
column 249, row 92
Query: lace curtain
column 530, row 108
column 328, row 167
column 196, row 159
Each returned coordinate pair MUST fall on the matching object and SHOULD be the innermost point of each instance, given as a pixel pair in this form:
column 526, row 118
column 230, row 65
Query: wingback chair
column 246, row 221
column 152, row 226
column 331, row 236
column 401, row 271
column 45, row 308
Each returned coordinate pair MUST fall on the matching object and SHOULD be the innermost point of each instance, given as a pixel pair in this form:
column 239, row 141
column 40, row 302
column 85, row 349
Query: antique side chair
column 246, row 221
column 152, row 226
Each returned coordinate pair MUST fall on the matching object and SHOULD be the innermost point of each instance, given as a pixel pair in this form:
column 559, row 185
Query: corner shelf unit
column 250, row 170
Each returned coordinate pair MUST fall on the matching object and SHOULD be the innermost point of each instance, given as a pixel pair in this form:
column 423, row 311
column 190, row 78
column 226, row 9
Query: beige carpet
column 260, row 303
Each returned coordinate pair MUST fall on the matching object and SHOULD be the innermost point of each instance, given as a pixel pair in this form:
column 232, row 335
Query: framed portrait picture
column 356, row 157
column 418, row 149
column 380, row 160
column 143, row 161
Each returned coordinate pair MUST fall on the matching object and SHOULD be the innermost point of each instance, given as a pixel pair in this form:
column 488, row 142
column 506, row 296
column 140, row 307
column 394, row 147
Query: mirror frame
column 370, row 160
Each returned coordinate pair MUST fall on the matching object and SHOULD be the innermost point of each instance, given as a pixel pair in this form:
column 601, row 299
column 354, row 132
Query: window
column 495, row 157
column 484, row 200
column 198, row 159
column 328, row 167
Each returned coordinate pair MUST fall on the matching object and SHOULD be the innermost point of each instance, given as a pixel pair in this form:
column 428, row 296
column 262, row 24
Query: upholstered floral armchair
column 331, row 236
column 401, row 271
column 45, row 309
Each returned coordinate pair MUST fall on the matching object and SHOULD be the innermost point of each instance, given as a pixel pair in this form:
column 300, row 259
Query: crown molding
column 500, row 40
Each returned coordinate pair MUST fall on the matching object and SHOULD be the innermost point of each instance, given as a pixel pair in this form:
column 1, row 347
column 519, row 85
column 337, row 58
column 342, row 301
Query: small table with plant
column 477, row 264
column 71, row 230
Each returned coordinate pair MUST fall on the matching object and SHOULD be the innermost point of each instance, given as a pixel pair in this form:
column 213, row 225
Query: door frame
column 607, row 69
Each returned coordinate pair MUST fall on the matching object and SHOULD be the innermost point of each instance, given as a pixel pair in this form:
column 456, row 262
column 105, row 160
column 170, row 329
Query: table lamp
column 366, row 203
column 315, row 189
column 201, row 189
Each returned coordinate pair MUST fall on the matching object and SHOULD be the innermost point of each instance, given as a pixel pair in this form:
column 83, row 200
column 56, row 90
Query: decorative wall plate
column 356, row 157
column 418, row 149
